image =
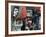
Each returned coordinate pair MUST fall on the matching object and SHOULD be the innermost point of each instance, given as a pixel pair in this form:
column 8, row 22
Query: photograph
column 25, row 18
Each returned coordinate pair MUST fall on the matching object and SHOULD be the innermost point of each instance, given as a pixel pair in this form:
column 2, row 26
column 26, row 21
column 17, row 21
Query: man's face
column 28, row 21
column 15, row 12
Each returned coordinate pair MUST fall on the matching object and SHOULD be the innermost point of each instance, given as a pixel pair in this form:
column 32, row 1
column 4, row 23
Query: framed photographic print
column 24, row 18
